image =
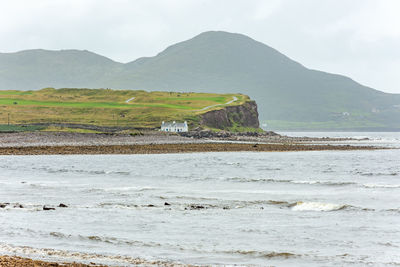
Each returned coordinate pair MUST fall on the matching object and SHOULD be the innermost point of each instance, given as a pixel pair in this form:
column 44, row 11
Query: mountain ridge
column 289, row 95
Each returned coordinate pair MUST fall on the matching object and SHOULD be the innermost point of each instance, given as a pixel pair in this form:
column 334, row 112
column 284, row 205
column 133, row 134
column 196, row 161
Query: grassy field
column 105, row 107
column 18, row 128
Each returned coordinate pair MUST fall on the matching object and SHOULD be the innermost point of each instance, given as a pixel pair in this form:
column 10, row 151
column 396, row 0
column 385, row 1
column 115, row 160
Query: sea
column 306, row 208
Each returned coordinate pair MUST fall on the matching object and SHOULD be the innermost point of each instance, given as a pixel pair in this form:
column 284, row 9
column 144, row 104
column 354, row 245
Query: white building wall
column 174, row 127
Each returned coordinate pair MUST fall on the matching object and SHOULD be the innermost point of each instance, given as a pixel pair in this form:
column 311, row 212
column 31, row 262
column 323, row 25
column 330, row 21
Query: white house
column 174, row 126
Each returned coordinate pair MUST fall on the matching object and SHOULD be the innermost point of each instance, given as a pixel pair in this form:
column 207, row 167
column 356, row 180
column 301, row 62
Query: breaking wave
column 382, row 185
column 318, row 206
column 72, row 170
column 312, row 182
column 377, row 173
column 71, row 256
column 261, row 254
column 271, row 180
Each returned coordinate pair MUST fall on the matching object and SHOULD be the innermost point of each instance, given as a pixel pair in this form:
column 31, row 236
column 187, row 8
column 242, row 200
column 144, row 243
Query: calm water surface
column 328, row 208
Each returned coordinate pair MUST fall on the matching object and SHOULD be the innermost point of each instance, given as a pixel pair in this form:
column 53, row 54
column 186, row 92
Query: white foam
column 311, row 182
column 382, row 185
column 306, row 182
column 316, row 206
column 61, row 255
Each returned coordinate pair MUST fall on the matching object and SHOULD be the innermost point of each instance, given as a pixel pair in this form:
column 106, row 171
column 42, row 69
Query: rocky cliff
column 231, row 117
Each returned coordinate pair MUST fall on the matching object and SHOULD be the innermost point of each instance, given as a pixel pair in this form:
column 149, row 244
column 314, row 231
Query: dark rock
column 196, row 207
column 167, row 204
column 16, row 205
column 200, row 133
column 150, row 206
column 48, row 208
column 61, row 205
column 245, row 115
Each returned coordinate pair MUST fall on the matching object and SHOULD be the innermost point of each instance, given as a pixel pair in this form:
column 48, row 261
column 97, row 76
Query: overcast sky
column 357, row 38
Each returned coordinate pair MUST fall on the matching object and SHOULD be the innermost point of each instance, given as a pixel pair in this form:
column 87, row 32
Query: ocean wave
column 252, row 180
column 268, row 169
column 228, row 204
column 315, row 182
column 317, row 206
column 122, row 190
column 90, row 238
column 128, row 188
column 393, row 210
column 118, row 205
column 118, row 241
column 271, row 180
column 387, row 244
column 74, row 256
column 192, row 204
column 72, row 170
column 197, row 198
column 18, row 206
column 381, row 185
column 377, row 173
column 42, row 186
column 262, row 254
column 311, row 182
column 59, row 235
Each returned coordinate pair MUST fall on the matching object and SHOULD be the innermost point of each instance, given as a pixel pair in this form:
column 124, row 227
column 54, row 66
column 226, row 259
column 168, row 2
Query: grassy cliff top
column 106, row 107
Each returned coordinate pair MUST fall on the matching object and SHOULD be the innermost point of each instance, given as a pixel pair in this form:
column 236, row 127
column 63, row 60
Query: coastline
column 11, row 261
column 171, row 148
column 66, row 143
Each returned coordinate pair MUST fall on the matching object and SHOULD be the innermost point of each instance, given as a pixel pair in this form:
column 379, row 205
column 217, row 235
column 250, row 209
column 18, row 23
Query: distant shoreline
column 65, row 143
column 170, row 148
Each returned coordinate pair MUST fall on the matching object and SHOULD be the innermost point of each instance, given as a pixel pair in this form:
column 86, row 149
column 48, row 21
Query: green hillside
column 36, row 69
column 106, row 107
column 289, row 96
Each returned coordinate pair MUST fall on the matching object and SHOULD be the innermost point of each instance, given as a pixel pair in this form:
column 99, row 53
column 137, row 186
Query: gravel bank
column 26, row 139
column 89, row 139
column 169, row 148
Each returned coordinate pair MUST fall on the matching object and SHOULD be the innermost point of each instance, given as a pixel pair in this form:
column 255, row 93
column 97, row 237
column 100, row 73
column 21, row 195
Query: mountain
column 35, row 69
column 289, row 95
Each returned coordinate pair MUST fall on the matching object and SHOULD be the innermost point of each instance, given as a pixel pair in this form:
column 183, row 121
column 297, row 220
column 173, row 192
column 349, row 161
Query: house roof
column 173, row 124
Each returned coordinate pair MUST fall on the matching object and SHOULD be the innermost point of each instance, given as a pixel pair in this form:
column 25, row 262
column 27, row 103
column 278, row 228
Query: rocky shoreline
column 13, row 261
column 152, row 142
